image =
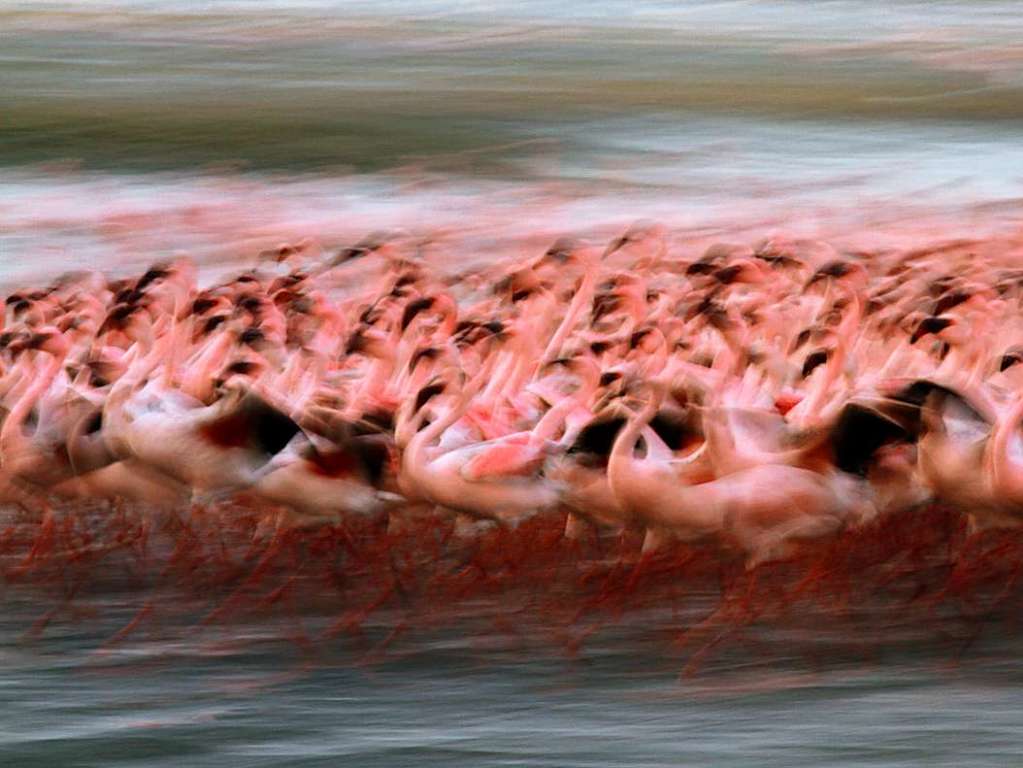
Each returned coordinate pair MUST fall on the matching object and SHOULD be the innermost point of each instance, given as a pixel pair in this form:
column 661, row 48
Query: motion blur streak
column 785, row 241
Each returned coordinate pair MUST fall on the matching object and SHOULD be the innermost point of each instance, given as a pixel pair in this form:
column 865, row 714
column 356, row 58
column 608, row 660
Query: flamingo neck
column 1004, row 469
column 15, row 421
column 551, row 421
column 375, row 386
column 624, row 446
column 581, row 300
column 198, row 381
column 179, row 329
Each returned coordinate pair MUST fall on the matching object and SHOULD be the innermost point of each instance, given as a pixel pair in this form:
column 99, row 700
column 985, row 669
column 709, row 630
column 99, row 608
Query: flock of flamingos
column 744, row 401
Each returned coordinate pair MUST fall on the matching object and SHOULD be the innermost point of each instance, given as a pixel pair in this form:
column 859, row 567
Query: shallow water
column 452, row 702
column 441, row 708
column 133, row 131
column 163, row 659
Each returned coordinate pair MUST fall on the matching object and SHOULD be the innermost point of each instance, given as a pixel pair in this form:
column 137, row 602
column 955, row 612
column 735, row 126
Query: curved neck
column 1001, row 464
column 581, row 300
column 178, row 330
column 625, row 443
column 197, row 382
column 720, row 440
column 810, row 407
column 420, row 441
column 374, row 385
column 521, row 370
column 503, row 363
column 14, row 423
column 732, row 362
column 653, row 364
column 551, row 421
column 415, row 451
column 138, row 371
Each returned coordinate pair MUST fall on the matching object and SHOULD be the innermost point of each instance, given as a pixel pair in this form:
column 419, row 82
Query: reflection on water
column 138, row 659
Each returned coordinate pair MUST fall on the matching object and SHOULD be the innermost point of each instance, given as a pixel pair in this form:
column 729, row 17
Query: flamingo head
column 778, row 255
column 813, row 360
column 253, row 338
column 369, row 342
column 207, row 303
column 712, row 312
column 645, row 342
column 842, row 271
column 280, row 254
column 128, row 320
column 1011, row 357
column 246, row 283
column 47, row 339
column 640, row 391
column 421, row 306
column 605, row 349
column 424, row 363
column 518, row 286
column 641, row 232
column 562, row 252
column 379, row 242
column 566, row 376
column 103, row 371
column 251, row 304
column 942, row 327
column 435, row 388
column 169, row 283
column 293, row 281
column 471, row 332
column 238, row 373
column 742, row 271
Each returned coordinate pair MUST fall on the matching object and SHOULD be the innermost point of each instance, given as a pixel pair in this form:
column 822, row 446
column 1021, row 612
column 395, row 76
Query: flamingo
column 762, row 510
column 439, row 475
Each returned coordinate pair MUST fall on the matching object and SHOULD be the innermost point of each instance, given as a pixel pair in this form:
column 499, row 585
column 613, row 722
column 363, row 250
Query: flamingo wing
column 252, row 423
column 505, row 459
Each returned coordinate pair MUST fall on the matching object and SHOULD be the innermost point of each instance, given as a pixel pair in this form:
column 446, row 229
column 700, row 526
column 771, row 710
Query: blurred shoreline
column 338, row 85
column 132, row 131
column 56, row 219
column 135, row 130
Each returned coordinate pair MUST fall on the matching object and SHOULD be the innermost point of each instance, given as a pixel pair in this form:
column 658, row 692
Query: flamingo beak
column 930, row 325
